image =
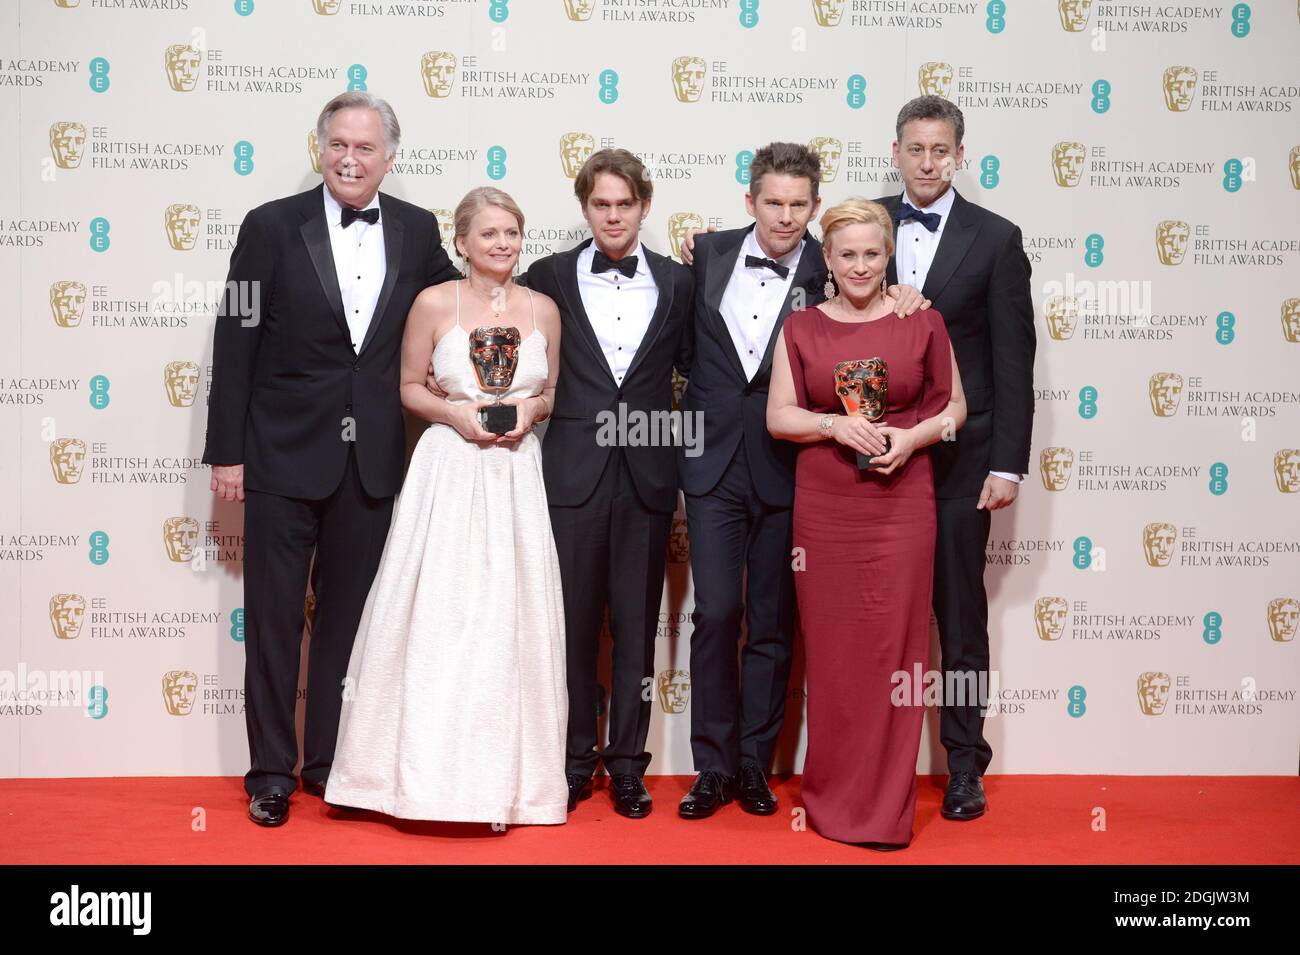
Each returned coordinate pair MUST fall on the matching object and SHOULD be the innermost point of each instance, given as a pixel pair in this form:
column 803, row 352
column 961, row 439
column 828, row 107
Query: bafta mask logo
column 1074, row 14
column 181, row 219
column 1050, row 614
column 1294, row 163
column 575, row 149
column 579, row 10
column 326, row 8
column 679, row 545
column 863, row 386
column 674, row 690
column 1291, row 319
column 679, row 390
column 181, row 535
column 1054, row 464
column 446, row 227
column 1153, row 692
column 182, row 62
column 1164, row 389
column 828, row 12
column 309, row 611
column 1062, row 316
column 828, row 150
column 1286, row 470
column 68, row 302
column 67, row 613
column 67, row 144
column 66, row 4
column 67, row 459
column 1180, row 88
column 313, row 150
column 438, row 68
column 1171, row 241
column 688, row 78
column 679, row 223
column 1067, row 163
column 181, row 378
column 180, row 687
column 935, row 79
column 1158, row 541
column 1283, row 615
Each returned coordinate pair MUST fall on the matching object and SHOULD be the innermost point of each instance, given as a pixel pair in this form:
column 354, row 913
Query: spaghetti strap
column 458, row 303
column 532, row 309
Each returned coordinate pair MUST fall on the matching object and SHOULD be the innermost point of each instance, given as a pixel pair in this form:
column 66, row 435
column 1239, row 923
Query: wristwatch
column 828, row 421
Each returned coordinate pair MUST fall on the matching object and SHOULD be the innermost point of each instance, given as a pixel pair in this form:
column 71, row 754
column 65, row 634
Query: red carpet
column 1032, row 819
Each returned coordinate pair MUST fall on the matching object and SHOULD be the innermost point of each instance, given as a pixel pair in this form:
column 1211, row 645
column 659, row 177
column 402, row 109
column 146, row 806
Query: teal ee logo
column 97, row 705
column 99, row 234
column 244, row 7
column 357, row 77
column 1218, row 478
column 237, row 625
column 749, row 14
column 1093, row 256
column 1075, row 697
column 997, row 21
column 99, row 398
column 496, row 166
column 1241, row 21
column 989, row 167
column 1232, row 175
column 1087, row 402
column 498, row 11
column 857, row 95
column 243, row 157
column 1213, row 631
column 743, row 159
column 608, row 87
column 98, row 548
column 1225, row 328
column 99, row 75
column 1101, row 96
column 1082, row 558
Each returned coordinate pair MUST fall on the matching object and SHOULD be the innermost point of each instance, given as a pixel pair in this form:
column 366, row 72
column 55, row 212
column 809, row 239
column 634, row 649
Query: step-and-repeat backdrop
column 1145, row 589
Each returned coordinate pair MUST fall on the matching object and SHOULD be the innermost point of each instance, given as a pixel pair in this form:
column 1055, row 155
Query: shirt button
column 763, row 284
column 358, row 276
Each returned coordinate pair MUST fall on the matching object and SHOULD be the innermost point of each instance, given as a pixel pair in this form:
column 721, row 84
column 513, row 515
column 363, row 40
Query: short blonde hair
column 480, row 198
column 858, row 211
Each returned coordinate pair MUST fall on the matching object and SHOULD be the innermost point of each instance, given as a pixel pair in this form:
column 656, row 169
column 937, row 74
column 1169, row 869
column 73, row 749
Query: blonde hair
column 481, row 198
column 858, row 211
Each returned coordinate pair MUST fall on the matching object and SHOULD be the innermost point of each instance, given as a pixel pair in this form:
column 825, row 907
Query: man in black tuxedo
column 971, row 264
column 612, row 494
column 305, row 426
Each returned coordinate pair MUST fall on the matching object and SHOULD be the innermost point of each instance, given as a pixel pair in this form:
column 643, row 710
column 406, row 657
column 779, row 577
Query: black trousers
column 612, row 550
column 346, row 531
column 740, row 567
column 961, row 607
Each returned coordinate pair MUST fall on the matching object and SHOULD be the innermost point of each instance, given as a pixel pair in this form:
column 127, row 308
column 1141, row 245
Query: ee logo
column 743, row 159
column 1213, row 631
column 1100, row 96
column 99, row 234
column 997, row 21
column 1087, row 402
column 98, row 548
column 99, row 75
column 357, row 77
column 243, row 157
column 1075, row 696
column 608, row 87
column 496, row 167
column 857, row 95
column 989, row 167
column 1218, row 478
column 99, row 398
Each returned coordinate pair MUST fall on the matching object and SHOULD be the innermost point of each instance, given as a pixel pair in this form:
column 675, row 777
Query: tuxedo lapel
column 721, row 267
column 566, row 279
column 811, row 265
column 958, row 236
column 659, row 268
column 394, row 231
column 316, row 234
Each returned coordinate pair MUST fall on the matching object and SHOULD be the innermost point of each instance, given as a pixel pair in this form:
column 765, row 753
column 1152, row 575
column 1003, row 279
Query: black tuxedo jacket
column 979, row 283
column 731, row 404
column 285, row 388
column 572, row 460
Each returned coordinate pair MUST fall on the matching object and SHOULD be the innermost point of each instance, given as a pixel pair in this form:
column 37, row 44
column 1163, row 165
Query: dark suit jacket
column 979, row 283
column 572, row 460
column 732, row 405
column 284, row 388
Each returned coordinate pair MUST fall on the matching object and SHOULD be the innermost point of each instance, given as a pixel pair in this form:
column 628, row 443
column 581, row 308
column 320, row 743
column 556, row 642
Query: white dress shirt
column 752, row 302
column 619, row 308
column 360, row 262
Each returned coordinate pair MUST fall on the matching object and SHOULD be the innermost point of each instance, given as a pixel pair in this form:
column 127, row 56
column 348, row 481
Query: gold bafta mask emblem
column 67, row 459
column 1294, row 162
column 935, row 79
column 1180, row 88
column 67, row 302
column 688, row 78
column 181, row 220
column 1286, row 470
column 575, row 149
column 1050, row 614
column 828, row 12
column 181, row 379
column 1291, row 319
column 674, row 690
column 446, row 227
column 1283, row 615
column 438, row 67
column 182, row 62
column 1074, row 14
column 1158, row 542
column 828, row 150
column 67, row 613
column 67, row 144
column 66, row 4
column 313, row 150
column 679, row 223
column 1153, row 692
column 309, row 611
column 326, row 8
column 1067, row 163
column 679, row 390
column 679, row 545
column 1054, row 464
column 181, row 535
column 1164, row 389
column 1062, row 316
column 1171, row 241
column 579, row 10
column 180, row 687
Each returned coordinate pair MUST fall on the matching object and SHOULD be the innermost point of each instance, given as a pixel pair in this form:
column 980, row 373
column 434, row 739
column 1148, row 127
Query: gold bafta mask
column 1158, row 542
column 309, row 611
column 1294, row 162
column 181, row 379
column 326, row 8
column 1171, row 241
column 182, row 62
column 66, row 4
column 181, row 535
column 446, row 227
column 67, row 459
column 1286, row 470
column 679, row 390
column 67, row 613
column 1180, row 88
column 579, row 10
column 679, row 545
column 828, row 150
column 1067, row 163
column 313, row 150
column 1165, row 388
column 679, row 223
column 1153, row 692
column 67, row 302
column 1062, row 316
column 1283, row 615
column 1054, row 464
column 1074, row 14
column 438, row 67
column 1291, row 319
column 180, row 687
column 688, row 78
column 575, row 149
column 67, row 144
column 935, row 79
column 181, row 219
column 1050, row 614
column 828, row 12
column 674, row 690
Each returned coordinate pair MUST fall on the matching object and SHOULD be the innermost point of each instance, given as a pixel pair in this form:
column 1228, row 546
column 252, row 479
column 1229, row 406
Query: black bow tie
column 905, row 211
column 603, row 263
column 365, row 215
column 755, row 262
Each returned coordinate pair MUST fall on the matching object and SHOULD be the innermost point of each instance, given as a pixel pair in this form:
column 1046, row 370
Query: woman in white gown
column 454, row 706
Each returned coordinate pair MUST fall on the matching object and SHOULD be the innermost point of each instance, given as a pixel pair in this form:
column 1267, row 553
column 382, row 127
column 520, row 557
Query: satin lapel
column 566, row 281
column 659, row 268
column 891, row 272
column 394, row 230
column 720, row 270
column 958, row 236
column 810, row 264
column 316, row 234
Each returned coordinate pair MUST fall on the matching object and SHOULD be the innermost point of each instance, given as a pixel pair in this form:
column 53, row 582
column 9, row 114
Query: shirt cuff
column 1008, row 476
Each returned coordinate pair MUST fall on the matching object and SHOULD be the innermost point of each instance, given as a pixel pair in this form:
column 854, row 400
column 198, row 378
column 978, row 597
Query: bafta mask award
column 494, row 352
column 863, row 386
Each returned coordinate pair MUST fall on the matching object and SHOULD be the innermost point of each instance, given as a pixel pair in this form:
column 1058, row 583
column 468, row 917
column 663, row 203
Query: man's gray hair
column 360, row 99
column 931, row 107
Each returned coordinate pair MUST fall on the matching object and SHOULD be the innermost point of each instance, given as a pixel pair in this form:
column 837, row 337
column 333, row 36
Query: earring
column 884, row 286
column 830, row 289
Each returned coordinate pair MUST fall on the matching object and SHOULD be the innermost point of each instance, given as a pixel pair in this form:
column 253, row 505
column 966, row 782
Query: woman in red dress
column 865, row 536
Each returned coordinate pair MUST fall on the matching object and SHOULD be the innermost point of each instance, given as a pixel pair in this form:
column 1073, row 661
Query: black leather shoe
column 710, row 792
column 630, row 796
column 752, row 791
column 579, row 788
column 964, row 797
column 270, row 808
column 312, row 788
column 883, row 846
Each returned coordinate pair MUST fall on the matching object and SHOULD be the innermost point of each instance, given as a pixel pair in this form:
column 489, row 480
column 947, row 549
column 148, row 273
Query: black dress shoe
column 752, row 791
column 964, row 797
column 312, row 788
column 579, row 788
column 883, row 846
column 711, row 791
column 630, row 796
column 270, row 808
